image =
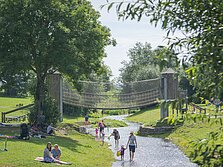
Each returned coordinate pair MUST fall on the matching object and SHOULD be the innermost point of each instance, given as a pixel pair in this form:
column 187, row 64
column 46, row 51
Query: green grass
column 147, row 117
column 93, row 121
column 8, row 103
column 211, row 109
column 82, row 150
column 191, row 131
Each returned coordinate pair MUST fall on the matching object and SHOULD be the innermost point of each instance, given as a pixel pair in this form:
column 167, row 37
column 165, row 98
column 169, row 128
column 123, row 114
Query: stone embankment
column 145, row 131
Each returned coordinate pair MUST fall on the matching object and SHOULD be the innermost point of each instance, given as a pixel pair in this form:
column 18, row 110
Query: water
column 151, row 152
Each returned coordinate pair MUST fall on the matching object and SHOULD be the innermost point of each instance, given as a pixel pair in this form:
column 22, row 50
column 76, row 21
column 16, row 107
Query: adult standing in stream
column 132, row 143
column 116, row 135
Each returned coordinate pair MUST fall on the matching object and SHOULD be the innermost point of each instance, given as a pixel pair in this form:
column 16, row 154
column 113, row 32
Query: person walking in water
column 86, row 120
column 132, row 143
column 116, row 135
column 101, row 126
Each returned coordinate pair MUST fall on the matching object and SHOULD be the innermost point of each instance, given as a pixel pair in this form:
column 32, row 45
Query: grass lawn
column 147, row 117
column 211, row 109
column 80, row 149
column 93, row 121
column 191, row 131
column 7, row 104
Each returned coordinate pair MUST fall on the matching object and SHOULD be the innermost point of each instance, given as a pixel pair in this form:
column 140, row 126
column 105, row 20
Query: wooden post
column 169, row 86
column 55, row 88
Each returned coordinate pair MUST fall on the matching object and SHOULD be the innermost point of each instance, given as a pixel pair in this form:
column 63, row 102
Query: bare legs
column 116, row 143
column 131, row 155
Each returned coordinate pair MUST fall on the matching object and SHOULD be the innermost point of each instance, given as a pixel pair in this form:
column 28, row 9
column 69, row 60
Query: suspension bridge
column 96, row 95
column 110, row 96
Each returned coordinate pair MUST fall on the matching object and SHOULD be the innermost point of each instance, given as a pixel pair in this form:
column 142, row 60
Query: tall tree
column 51, row 35
column 146, row 63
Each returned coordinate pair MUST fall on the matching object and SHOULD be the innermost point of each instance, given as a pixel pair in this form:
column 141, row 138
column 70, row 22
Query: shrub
column 50, row 111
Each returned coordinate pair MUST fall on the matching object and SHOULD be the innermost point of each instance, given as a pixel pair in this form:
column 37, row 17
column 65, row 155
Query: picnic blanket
column 40, row 159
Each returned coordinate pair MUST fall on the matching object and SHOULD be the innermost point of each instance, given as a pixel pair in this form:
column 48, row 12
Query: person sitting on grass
column 56, row 152
column 50, row 129
column 47, row 157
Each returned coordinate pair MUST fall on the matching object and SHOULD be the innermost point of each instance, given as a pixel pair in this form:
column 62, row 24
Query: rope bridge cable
column 109, row 96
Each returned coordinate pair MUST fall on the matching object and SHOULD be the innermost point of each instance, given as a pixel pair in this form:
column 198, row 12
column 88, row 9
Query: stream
column 151, row 152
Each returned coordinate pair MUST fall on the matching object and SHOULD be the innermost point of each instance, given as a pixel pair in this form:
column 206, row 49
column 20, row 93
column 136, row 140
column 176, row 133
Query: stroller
column 24, row 131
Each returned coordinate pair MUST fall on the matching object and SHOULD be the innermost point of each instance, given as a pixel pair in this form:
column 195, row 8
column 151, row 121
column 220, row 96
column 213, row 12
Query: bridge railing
column 115, row 101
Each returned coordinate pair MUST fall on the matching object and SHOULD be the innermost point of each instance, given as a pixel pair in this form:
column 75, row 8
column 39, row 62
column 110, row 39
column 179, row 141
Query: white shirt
column 49, row 128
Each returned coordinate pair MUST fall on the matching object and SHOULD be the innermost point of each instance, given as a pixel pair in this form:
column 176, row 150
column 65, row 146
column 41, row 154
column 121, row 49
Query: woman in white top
column 132, row 145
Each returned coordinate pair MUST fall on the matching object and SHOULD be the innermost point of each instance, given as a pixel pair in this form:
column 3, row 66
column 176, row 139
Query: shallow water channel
column 151, row 152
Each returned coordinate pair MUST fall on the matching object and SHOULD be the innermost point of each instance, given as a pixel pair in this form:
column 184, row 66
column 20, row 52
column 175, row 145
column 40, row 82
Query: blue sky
column 126, row 33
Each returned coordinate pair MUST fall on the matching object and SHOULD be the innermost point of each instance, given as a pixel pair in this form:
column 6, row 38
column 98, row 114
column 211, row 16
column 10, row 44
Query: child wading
column 103, row 137
column 122, row 152
column 96, row 132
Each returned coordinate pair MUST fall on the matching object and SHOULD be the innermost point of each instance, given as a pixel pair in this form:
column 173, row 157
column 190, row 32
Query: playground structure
column 110, row 96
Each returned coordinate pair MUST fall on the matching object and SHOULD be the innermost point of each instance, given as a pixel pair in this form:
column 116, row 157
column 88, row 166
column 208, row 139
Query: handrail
column 14, row 110
column 197, row 107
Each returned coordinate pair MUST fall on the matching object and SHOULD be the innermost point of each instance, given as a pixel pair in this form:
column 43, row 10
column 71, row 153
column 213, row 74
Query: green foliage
column 146, row 63
column 51, row 112
column 208, row 151
column 15, row 85
column 201, row 24
column 185, row 84
column 48, row 36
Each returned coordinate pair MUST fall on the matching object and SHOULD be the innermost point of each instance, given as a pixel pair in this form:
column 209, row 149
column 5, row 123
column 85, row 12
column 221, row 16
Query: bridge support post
column 169, row 86
column 55, row 88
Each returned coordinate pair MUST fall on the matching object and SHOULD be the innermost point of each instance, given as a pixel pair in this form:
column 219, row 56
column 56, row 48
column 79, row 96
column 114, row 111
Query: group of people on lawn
column 53, row 155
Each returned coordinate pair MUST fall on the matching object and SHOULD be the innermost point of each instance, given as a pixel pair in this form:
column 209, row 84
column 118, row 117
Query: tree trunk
column 39, row 99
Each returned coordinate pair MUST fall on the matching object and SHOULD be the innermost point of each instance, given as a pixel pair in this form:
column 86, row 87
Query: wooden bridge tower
column 169, row 87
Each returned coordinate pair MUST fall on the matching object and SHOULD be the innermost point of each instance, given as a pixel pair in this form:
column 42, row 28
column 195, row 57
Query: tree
column 51, row 35
column 200, row 21
column 146, row 63
column 140, row 63
column 15, row 85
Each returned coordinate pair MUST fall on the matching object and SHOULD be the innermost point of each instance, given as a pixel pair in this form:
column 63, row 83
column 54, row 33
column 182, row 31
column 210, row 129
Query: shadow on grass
column 63, row 141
